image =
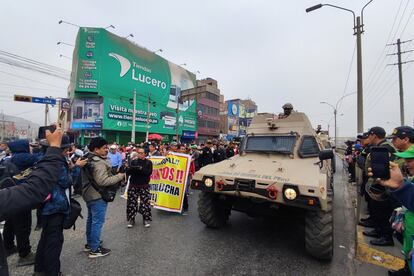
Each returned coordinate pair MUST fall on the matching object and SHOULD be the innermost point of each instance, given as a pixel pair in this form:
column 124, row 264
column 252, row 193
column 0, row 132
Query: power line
column 408, row 21
column 379, row 79
column 381, row 56
column 44, row 83
column 349, row 73
column 29, row 87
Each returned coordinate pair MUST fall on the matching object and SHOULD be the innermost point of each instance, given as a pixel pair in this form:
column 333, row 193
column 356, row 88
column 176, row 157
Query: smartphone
column 42, row 131
column 380, row 162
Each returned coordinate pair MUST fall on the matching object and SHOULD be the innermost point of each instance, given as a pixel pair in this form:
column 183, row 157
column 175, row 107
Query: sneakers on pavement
column 87, row 248
column 100, row 252
column 147, row 223
column 28, row 260
column 131, row 223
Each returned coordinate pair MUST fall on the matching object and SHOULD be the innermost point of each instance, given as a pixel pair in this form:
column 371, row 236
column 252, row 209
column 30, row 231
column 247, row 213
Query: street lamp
column 64, row 43
column 63, row 56
column 110, row 26
column 335, row 108
column 68, row 23
column 183, row 64
column 130, row 35
column 358, row 30
column 158, row 51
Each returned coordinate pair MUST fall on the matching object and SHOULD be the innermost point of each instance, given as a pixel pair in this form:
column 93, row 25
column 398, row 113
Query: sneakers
column 100, row 252
column 147, row 223
column 28, row 260
column 131, row 223
column 87, row 248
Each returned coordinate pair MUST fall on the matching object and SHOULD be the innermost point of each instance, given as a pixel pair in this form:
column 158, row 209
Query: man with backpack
column 20, row 224
column 99, row 186
column 33, row 190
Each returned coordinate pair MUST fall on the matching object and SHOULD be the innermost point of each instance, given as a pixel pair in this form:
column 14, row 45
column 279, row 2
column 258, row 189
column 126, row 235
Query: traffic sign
column 44, row 100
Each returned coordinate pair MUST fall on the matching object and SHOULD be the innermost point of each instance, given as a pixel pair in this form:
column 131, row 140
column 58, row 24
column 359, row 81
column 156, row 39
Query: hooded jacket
column 101, row 173
column 21, row 155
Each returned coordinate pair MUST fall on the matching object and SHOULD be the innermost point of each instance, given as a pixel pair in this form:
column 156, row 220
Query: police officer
column 381, row 205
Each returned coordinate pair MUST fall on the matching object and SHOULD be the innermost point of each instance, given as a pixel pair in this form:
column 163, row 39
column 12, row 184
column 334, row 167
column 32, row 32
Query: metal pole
column 46, row 111
column 401, row 83
column 148, row 115
column 176, row 119
column 336, row 145
column 360, row 98
column 59, row 120
column 133, row 118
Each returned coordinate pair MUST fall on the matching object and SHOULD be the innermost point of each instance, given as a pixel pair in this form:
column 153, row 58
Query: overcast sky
column 271, row 51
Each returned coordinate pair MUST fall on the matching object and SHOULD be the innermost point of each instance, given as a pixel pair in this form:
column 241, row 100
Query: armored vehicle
column 282, row 162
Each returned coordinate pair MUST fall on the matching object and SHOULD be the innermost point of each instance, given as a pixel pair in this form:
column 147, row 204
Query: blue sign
column 188, row 134
column 86, row 125
column 44, row 100
column 233, row 109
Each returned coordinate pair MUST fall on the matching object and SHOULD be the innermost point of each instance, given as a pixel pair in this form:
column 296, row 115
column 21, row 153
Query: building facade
column 207, row 96
column 108, row 72
column 235, row 116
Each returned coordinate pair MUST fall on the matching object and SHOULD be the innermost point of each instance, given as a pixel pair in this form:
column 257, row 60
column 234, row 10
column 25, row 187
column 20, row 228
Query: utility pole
column 46, row 112
column 148, row 116
column 176, row 118
column 360, row 97
column 400, row 78
column 133, row 117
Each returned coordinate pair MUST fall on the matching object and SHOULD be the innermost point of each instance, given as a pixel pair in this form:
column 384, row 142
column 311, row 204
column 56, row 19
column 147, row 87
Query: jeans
column 95, row 222
column 50, row 245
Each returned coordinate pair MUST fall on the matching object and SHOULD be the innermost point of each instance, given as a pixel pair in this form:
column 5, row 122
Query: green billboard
column 113, row 67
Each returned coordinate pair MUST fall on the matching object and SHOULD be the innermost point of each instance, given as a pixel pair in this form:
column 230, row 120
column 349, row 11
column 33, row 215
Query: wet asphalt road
column 182, row 245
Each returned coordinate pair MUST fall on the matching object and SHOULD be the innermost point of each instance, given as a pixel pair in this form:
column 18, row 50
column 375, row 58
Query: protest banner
column 168, row 181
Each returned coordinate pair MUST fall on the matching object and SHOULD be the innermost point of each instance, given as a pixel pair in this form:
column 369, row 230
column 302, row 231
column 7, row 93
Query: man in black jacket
column 206, row 156
column 35, row 188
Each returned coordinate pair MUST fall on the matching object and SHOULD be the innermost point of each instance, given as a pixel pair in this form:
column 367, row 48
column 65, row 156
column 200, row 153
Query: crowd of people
column 390, row 203
column 94, row 172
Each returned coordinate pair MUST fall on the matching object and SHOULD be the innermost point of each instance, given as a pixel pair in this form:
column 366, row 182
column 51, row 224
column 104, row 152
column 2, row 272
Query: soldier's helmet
column 287, row 106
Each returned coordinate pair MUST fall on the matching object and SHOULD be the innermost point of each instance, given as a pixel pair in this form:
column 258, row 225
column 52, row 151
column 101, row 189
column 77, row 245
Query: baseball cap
column 363, row 135
column 402, row 132
column 112, row 147
column 174, row 144
column 379, row 131
column 408, row 154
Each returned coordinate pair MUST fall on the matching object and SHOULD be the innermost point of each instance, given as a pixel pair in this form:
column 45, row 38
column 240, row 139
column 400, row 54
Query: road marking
column 367, row 254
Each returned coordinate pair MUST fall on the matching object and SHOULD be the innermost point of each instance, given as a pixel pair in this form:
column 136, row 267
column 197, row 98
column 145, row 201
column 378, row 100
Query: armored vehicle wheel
column 211, row 211
column 319, row 232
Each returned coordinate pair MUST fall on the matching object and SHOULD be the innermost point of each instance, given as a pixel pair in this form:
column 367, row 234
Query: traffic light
column 21, row 98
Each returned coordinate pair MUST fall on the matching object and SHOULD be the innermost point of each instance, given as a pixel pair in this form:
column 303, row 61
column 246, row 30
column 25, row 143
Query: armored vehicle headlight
column 290, row 193
column 208, row 182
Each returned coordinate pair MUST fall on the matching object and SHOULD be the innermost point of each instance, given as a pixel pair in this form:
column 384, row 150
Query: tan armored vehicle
column 282, row 161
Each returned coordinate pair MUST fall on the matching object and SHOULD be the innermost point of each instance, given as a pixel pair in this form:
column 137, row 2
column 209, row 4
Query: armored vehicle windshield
column 274, row 144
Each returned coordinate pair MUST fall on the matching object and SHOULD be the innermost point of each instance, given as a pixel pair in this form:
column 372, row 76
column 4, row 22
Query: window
column 282, row 144
column 309, row 147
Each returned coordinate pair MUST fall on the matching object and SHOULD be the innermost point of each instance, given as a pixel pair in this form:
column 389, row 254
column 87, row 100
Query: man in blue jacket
column 54, row 212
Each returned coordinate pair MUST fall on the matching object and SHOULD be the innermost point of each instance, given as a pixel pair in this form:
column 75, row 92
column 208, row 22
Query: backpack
column 75, row 212
column 108, row 194
column 7, row 172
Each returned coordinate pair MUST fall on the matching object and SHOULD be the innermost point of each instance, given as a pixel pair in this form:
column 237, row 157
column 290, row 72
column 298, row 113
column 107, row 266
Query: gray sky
column 266, row 50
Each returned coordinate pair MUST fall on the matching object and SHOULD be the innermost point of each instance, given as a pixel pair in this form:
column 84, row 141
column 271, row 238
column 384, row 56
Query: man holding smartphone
column 381, row 206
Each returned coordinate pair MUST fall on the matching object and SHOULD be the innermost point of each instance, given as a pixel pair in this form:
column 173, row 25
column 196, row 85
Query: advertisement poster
column 114, row 67
column 169, row 180
column 87, row 113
